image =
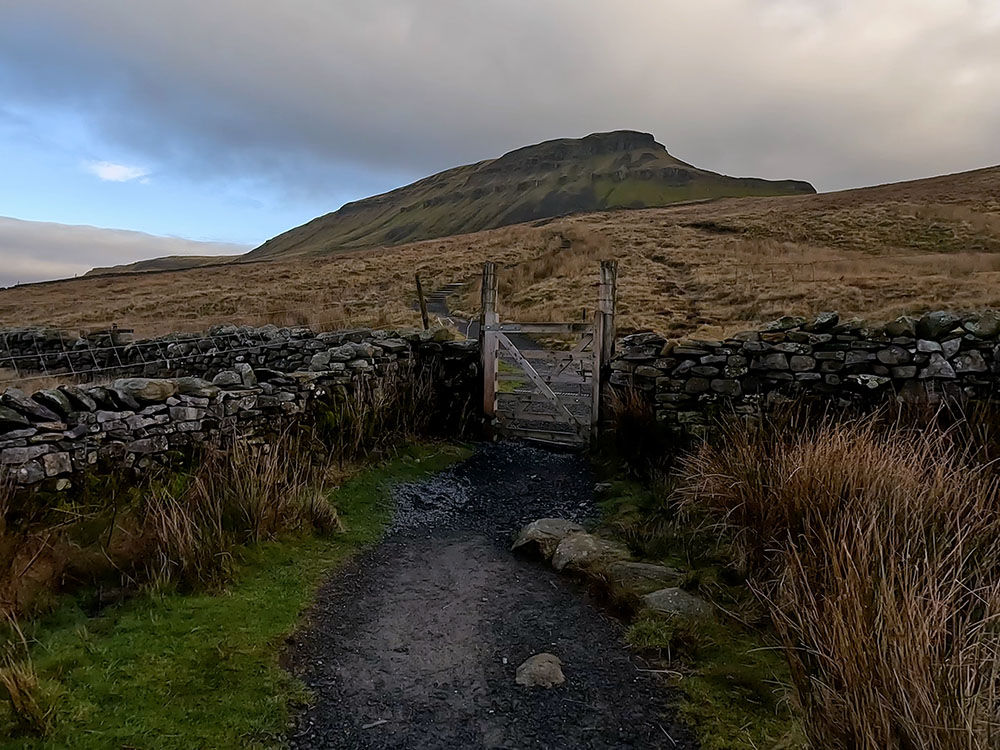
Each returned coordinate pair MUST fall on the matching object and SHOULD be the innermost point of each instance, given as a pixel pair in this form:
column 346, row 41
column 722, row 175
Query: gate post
column 604, row 336
column 488, row 341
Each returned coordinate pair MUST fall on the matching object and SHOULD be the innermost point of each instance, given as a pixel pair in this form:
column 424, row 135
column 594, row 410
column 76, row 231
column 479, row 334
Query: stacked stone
column 138, row 422
column 56, row 352
column 31, row 351
column 938, row 356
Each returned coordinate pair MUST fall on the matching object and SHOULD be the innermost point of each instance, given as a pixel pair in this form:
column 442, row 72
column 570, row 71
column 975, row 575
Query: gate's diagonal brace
column 535, row 378
column 584, row 342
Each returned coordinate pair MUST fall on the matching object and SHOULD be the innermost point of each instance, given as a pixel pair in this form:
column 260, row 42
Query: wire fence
column 101, row 349
column 34, row 355
column 283, row 317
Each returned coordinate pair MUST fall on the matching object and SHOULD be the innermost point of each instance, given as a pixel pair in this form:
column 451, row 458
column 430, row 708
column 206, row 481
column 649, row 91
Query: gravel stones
column 426, row 631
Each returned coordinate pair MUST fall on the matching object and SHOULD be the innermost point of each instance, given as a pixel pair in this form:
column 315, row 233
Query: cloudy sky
column 229, row 121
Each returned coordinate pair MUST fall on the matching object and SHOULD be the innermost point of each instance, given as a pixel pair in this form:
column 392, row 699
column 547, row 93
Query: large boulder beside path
column 580, row 551
column 640, row 577
column 677, row 603
column 545, row 534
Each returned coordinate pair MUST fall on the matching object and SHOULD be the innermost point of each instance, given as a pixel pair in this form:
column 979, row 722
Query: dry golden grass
column 695, row 269
column 875, row 551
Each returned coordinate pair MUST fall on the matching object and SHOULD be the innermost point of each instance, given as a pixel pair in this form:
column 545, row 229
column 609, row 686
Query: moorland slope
column 691, row 269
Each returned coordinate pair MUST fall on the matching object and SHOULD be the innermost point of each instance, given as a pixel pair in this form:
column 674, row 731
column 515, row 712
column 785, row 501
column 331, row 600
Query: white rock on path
column 541, row 670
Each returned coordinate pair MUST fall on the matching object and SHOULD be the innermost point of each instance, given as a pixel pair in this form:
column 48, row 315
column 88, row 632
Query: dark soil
column 416, row 645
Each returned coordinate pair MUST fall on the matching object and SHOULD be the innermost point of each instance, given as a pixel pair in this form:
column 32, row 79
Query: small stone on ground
column 541, row 670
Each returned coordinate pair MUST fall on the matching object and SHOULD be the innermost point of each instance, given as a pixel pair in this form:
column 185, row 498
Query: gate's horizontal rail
column 541, row 327
column 521, row 415
column 534, row 397
column 569, row 439
column 561, row 379
column 556, row 357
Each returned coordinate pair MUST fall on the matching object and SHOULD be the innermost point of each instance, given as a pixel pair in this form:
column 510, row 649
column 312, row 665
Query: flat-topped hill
column 620, row 169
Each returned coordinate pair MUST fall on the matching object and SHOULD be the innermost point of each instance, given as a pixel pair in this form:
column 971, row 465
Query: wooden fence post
column 488, row 341
column 423, row 302
column 604, row 336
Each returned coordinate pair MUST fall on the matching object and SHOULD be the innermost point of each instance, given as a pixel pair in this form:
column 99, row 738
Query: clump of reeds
column 377, row 412
column 247, row 493
column 29, row 704
column 876, row 548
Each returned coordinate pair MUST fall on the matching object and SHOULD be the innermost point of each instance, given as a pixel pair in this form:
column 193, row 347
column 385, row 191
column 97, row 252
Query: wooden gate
column 550, row 394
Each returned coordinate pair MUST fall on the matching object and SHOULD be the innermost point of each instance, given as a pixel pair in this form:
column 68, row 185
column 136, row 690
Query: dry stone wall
column 204, row 395
column 938, row 356
column 106, row 354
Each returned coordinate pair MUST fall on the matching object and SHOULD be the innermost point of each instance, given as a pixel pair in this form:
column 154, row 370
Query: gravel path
column 416, row 645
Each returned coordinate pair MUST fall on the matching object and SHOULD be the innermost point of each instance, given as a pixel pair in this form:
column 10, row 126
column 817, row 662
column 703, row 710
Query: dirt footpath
column 417, row 644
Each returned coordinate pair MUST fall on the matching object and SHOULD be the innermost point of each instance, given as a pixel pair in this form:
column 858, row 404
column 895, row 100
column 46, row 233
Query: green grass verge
column 182, row 671
column 733, row 678
column 734, row 681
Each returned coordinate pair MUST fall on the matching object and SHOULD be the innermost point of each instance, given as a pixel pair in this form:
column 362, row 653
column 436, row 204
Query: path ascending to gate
column 416, row 645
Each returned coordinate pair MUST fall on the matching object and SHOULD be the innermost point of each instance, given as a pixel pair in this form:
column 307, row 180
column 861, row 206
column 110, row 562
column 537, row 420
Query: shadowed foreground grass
column 186, row 671
column 734, row 684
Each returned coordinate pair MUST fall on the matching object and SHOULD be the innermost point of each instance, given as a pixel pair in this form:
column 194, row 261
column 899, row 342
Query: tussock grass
column 246, row 494
column 378, row 411
column 183, row 528
column 876, row 549
column 30, row 704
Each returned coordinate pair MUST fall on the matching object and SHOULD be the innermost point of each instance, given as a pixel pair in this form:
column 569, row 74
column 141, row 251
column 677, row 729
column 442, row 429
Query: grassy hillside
column 622, row 169
column 691, row 269
column 168, row 263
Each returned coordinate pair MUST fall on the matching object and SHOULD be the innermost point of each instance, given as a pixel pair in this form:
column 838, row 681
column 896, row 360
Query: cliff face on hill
column 620, row 169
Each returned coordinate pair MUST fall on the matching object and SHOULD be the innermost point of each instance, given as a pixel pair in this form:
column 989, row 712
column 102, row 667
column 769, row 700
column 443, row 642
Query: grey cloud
column 36, row 251
column 314, row 93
